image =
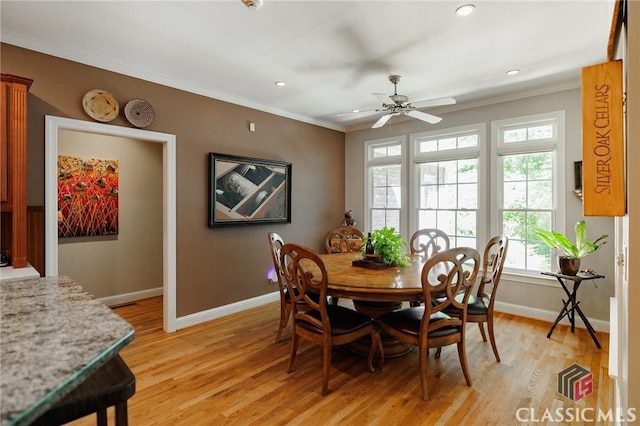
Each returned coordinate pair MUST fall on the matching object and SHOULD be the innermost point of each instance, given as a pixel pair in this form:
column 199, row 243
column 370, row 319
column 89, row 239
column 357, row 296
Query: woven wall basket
column 100, row 105
column 139, row 112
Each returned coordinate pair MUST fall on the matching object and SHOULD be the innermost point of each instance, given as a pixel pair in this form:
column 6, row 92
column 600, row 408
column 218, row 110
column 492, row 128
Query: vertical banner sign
column 603, row 183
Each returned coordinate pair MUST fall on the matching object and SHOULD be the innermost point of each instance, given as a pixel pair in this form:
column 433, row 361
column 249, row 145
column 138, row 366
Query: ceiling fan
column 400, row 105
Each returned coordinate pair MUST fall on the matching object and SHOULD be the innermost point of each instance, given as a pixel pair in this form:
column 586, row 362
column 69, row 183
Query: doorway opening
column 52, row 127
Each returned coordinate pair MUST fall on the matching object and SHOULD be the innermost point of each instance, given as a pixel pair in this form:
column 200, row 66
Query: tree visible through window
column 387, row 196
column 446, row 167
column 384, row 184
column 448, row 199
column 527, row 152
column 527, row 203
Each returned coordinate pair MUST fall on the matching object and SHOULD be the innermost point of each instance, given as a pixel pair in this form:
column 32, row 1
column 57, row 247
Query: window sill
column 529, row 278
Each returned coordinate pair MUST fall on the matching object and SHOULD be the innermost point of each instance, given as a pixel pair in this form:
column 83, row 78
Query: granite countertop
column 53, row 334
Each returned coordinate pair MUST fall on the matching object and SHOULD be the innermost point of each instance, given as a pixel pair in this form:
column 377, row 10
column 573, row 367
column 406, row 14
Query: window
column 446, row 169
column 528, row 151
column 471, row 190
column 385, row 183
column 387, row 196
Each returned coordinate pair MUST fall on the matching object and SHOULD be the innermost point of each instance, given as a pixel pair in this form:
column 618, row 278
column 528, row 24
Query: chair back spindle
column 429, row 241
column 343, row 239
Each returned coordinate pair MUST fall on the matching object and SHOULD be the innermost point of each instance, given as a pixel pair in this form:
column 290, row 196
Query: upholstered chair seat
column 408, row 321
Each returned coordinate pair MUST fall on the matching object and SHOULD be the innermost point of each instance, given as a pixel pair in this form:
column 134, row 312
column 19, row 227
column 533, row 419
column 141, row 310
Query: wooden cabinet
column 13, row 168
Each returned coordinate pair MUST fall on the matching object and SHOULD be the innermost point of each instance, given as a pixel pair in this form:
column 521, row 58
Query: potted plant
column 389, row 245
column 570, row 253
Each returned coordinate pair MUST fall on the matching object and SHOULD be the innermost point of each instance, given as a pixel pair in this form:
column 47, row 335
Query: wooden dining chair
column 319, row 321
column 444, row 275
column 480, row 307
column 343, row 239
column 275, row 244
column 427, row 242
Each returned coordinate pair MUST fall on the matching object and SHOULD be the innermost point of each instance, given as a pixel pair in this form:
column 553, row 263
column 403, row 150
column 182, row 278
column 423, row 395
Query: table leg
column 393, row 348
column 587, row 324
column 563, row 313
column 571, row 305
column 566, row 311
column 570, row 312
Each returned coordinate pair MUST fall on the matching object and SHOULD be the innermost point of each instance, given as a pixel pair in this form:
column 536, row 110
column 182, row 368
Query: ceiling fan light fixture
column 252, row 4
column 400, row 105
column 465, row 9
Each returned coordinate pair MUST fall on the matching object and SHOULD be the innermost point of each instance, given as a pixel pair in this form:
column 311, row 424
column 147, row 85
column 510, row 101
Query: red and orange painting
column 87, row 196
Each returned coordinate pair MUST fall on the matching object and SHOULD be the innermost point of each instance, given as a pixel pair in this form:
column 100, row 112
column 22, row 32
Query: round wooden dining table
column 389, row 284
column 374, row 291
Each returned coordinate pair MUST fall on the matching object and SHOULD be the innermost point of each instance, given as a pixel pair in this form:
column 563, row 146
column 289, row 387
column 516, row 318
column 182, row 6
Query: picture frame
column 577, row 172
column 88, row 197
column 248, row 191
column 577, row 175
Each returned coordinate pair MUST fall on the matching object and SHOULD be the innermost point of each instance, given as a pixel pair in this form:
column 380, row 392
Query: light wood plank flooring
column 230, row 372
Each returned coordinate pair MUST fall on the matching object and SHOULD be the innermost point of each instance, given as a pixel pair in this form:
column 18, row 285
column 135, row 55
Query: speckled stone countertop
column 53, row 334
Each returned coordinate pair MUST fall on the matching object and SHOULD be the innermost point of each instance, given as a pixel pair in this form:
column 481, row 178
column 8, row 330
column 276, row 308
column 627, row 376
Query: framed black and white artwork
column 248, row 191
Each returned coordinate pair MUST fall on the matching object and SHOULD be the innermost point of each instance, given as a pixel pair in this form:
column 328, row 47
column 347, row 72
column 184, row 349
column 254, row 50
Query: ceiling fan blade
column 383, row 98
column 382, row 121
column 432, row 119
column 433, row 102
column 356, row 112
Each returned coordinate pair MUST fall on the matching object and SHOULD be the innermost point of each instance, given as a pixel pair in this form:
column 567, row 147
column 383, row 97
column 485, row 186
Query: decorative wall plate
column 139, row 112
column 100, row 105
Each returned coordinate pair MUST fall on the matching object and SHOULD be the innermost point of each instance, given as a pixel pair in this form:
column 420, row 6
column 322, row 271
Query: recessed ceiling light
column 355, row 110
column 465, row 9
column 280, row 83
column 513, row 72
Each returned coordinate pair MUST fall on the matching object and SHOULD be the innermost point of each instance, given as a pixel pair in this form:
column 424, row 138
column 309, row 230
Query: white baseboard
column 548, row 316
column 120, row 299
column 232, row 308
column 221, row 311
column 509, row 308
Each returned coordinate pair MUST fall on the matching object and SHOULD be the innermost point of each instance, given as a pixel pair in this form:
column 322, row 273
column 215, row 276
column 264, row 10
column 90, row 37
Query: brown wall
column 214, row 266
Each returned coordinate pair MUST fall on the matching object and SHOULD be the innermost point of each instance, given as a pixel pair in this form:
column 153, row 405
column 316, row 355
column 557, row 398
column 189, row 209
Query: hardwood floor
column 229, row 372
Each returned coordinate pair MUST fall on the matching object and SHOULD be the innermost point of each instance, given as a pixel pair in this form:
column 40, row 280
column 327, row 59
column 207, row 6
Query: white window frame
column 489, row 176
column 499, row 148
column 479, row 152
column 373, row 162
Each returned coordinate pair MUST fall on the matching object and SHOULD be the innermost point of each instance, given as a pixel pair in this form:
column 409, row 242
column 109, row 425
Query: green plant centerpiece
column 389, row 245
column 570, row 253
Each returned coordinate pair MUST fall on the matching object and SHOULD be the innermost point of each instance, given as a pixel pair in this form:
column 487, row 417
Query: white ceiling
column 332, row 54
